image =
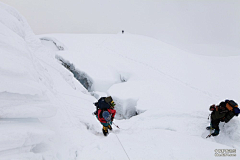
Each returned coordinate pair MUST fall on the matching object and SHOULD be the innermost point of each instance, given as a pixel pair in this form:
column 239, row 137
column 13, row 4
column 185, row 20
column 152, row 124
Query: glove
column 112, row 118
column 212, row 107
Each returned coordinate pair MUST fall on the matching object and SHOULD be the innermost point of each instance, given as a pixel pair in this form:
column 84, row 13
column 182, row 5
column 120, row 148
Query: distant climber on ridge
column 105, row 113
column 223, row 112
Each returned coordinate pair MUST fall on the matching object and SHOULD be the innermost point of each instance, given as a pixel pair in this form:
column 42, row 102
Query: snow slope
column 171, row 90
column 23, row 98
column 47, row 114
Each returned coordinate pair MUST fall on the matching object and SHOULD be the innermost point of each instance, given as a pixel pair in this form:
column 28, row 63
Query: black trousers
column 215, row 124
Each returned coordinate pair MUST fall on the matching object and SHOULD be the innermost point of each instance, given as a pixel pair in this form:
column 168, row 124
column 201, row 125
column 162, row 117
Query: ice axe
column 116, row 125
column 209, row 135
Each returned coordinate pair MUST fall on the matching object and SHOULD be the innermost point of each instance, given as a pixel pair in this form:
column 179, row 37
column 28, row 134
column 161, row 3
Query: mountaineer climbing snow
column 223, row 112
column 105, row 113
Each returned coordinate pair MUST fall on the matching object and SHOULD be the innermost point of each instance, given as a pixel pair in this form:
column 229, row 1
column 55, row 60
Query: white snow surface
column 45, row 113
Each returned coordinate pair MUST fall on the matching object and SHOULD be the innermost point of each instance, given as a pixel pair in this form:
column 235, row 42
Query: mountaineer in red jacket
column 105, row 113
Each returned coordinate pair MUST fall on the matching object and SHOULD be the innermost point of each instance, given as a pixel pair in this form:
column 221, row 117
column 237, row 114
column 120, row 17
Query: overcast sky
column 172, row 21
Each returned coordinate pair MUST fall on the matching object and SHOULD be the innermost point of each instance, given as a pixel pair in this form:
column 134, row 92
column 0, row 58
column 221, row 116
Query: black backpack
column 104, row 103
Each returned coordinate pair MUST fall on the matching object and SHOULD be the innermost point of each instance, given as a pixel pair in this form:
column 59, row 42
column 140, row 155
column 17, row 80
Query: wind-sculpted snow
column 18, row 74
column 25, row 106
column 25, row 89
column 16, row 25
column 18, row 133
column 12, row 20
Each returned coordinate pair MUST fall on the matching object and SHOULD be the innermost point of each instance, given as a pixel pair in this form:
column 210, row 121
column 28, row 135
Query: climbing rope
column 122, row 146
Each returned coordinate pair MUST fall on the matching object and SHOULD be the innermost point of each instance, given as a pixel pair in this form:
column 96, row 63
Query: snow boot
column 105, row 130
column 216, row 132
column 109, row 127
